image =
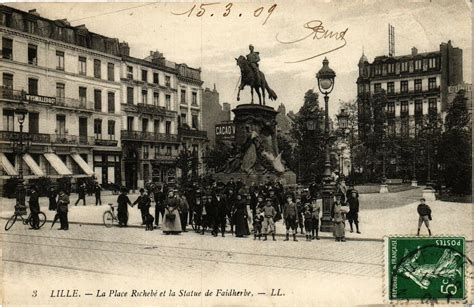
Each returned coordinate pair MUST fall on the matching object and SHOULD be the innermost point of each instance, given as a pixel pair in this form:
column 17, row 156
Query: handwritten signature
column 317, row 31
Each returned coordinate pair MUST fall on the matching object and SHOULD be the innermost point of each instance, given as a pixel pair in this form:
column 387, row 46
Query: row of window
column 404, row 127
column 182, row 120
column 156, row 77
column 194, row 98
column 405, row 66
column 7, row 53
column 145, row 125
column 156, row 98
column 146, row 151
column 432, row 85
column 33, row 124
column 432, row 107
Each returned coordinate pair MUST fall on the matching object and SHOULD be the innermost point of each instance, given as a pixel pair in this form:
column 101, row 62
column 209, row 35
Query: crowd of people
column 218, row 207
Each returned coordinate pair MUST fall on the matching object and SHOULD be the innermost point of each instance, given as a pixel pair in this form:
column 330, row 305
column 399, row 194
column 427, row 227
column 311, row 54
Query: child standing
column 269, row 213
column 308, row 222
column 257, row 224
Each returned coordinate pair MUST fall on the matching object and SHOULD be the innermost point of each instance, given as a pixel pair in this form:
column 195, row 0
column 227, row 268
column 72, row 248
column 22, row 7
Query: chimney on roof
column 157, row 57
column 414, row 51
column 124, row 48
column 66, row 22
column 33, row 12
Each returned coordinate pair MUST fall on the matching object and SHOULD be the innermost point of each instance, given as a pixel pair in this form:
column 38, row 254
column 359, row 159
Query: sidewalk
column 448, row 218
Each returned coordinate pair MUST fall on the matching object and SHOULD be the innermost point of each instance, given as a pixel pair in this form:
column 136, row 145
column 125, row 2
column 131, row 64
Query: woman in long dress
column 172, row 223
column 338, row 216
column 240, row 218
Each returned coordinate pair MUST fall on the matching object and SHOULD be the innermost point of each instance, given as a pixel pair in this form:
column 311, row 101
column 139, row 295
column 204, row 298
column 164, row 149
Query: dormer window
column 30, row 26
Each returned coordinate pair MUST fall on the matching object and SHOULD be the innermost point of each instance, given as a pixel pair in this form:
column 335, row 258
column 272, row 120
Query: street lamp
column 20, row 149
column 325, row 77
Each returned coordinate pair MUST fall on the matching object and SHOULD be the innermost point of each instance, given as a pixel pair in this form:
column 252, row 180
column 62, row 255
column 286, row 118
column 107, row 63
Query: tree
column 217, row 157
column 183, row 162
column 455, row 149
column 288, row 152
column 309, row 137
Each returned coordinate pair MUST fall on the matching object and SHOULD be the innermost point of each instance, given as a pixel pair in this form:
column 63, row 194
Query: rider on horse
column 253, row 57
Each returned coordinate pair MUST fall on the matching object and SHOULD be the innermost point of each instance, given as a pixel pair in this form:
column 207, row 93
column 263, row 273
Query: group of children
column 303, row 214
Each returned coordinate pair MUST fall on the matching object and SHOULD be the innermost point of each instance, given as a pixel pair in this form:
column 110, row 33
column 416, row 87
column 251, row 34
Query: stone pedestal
column 256, row 120
column 429, row 194
column 383, row 188
column 414, row 183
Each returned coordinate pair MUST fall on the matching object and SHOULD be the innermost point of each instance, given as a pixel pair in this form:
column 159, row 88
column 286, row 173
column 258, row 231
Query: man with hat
column 253, row 58
column 34, row 207
column 424, row 211
column 353, row 214
column 315, row 213
column 290, row 216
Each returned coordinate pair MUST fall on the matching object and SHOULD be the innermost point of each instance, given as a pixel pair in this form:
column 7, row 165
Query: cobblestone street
column 90, row 258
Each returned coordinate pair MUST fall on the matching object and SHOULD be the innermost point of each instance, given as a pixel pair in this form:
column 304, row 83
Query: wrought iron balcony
column 127, row 135
column 105, row 142
column 192, row 133
column 33, row 137
column 71, row 139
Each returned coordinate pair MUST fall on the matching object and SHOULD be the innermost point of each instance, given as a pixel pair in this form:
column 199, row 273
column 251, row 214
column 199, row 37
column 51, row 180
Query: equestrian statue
column 253, row 77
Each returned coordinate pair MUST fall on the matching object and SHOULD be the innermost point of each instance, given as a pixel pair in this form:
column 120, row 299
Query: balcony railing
column 71, row 139
column 148, row 136
column 33, row 137
column 105, row 142
column 417, row 91
column 192, row 133
column 11, row 94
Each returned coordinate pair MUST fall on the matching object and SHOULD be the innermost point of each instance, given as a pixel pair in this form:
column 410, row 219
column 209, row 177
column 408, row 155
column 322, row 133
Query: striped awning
column 57, row 164
column 7, row 166
column 35, row 168
column 82, row 164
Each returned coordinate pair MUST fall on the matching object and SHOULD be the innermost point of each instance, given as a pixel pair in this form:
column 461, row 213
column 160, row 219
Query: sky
column 213, row 41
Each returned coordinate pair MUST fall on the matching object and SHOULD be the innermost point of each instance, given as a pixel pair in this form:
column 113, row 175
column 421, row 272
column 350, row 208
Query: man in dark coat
column 143, row 202
column 63, row 202
column 122, row 211
column 34, row 208
column 52, row 195
column 424, row 211
column 290, row 215
column 81, row 192
column 159, row 198
column 220, row 218
column 353, row 214
column 97, row 191
column 183, row 211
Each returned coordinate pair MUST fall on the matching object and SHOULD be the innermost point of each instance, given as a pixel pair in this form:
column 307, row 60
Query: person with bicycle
column 34, row 207
column 122, row 210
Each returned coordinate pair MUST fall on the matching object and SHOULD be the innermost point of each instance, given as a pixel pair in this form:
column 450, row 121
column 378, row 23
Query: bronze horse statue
column 248, row 78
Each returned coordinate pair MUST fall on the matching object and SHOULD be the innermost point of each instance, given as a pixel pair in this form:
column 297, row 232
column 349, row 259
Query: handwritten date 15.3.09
column 211, row 8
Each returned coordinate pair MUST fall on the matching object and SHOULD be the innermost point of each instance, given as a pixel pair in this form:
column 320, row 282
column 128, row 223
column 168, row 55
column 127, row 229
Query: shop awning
column 82, row 164
column 7, row 166
column 57, row 164
column 33, row 165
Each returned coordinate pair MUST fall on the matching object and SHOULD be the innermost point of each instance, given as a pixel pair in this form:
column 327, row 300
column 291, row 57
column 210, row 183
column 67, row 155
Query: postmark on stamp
column 425, row 269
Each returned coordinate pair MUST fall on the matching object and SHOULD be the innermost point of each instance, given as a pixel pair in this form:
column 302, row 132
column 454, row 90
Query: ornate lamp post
column 20, row 148
column 325, row 78
column 343, row 121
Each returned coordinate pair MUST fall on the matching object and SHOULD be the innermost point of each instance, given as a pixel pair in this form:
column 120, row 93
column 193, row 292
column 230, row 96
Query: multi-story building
column 69, row 79
column 149, row 125
column 214, row 114
column 193, row 137
column 415, row 85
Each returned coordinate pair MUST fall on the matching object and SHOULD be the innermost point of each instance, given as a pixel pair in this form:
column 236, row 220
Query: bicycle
column 28, row 220
column 109, row 217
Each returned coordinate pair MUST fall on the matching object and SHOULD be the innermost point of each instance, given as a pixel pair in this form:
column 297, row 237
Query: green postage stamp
column 426, row 269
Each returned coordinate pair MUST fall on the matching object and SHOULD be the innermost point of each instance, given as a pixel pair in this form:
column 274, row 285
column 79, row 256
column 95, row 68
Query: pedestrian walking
column 97, row 192
column 52, row 196
column 308, row 222
column 269, row 213
column 172, row 222
column 353, row 214
column 63, row 202
column 159, row 196
column 122, row 210
column 81, row 193
column 338, row 217
column 290, row 216
column 424, row 212
column 34, row 207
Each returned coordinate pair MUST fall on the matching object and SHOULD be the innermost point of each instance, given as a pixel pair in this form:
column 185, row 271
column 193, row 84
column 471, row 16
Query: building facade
column 190, row 114
column 69, row 79
column 215, row 113
column 415, row 85
column 150, row 139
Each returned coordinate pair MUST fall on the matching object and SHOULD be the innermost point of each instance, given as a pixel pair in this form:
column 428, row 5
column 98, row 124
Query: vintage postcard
column 236, row 153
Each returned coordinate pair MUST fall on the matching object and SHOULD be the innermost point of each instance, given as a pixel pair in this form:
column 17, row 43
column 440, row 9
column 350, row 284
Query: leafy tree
column 309, row 137
column 217, row 157
column 455, row 149
column 288, row 152
column 183, row 162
